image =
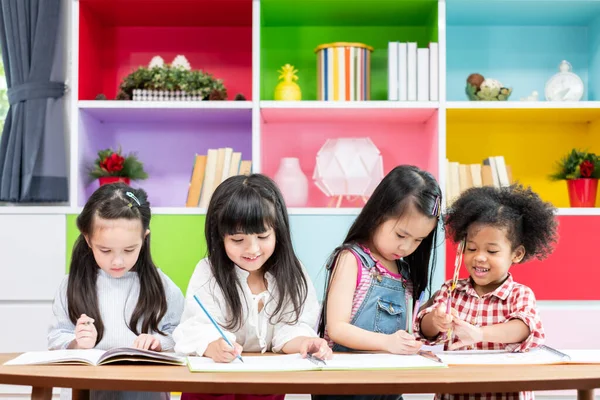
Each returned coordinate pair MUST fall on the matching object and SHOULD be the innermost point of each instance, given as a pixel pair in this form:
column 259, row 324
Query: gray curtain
column 32, row 146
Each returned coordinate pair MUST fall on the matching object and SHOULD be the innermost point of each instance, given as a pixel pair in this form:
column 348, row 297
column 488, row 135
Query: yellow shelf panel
column 531, row 146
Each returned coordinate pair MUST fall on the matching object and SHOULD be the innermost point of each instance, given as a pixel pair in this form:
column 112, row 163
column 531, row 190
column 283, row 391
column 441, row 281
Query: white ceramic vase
column 292, row 182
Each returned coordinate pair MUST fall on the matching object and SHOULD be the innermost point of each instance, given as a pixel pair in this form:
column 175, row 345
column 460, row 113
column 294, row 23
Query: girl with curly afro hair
column 500, row 227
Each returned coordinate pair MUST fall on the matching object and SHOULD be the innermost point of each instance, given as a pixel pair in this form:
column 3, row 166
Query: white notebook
column 96, row 357
column 537, row 356
column 295, row 362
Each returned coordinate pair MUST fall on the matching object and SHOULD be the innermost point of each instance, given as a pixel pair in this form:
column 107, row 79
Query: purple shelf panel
column 166, row 142
column 145, row 112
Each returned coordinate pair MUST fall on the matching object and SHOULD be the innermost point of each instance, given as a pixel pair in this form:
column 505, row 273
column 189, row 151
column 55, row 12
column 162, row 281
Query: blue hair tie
column 132, row 196
column 436, row 207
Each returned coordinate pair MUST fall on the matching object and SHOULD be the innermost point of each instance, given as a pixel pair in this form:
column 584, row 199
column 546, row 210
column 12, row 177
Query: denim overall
column 383, row 310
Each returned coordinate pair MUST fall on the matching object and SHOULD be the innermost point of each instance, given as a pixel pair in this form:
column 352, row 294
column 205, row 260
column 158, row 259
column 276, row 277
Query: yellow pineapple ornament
column 288, row 89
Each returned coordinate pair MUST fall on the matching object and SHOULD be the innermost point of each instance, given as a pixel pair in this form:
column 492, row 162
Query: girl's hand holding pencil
column 220, row 351
column 85, row 333
column 441, row 319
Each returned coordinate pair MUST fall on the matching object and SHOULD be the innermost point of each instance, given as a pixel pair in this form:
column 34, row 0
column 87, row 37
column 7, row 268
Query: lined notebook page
column 379, row 361
column 294, row 362
column 288, row 362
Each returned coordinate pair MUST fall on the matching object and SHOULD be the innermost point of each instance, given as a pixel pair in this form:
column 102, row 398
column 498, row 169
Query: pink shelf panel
column 402, row 137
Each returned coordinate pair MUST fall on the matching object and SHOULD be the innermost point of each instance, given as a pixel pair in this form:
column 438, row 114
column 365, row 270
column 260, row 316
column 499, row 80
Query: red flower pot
column 105, row 180
column 582, row 192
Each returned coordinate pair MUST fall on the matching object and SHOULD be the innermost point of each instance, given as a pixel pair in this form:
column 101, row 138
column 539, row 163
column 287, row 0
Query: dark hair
column 112, row 202
column 403, row 187
column 249, row 205
column 529, row 221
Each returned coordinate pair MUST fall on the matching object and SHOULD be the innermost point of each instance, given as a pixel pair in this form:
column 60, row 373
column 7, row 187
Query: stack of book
column 210, row 170
column 460, row 177
column 413, row 73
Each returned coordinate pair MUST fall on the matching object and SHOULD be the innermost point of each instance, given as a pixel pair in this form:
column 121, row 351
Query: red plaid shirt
column 509, row 301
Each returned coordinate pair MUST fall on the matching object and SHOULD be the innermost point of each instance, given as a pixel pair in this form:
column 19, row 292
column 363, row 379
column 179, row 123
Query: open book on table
column 295, row 362
column 96, row 357
column 536, row 356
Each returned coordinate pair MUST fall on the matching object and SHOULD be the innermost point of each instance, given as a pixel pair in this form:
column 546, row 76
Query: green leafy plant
column 169, row 77
column 577, row 164
column 113, row 163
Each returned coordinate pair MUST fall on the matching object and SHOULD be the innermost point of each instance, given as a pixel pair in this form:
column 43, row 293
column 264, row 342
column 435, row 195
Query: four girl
column 260, row 294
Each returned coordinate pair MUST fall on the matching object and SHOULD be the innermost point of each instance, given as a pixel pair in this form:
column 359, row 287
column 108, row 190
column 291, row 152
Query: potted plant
column 170, row 82
column 111, row 166
column 581, row 170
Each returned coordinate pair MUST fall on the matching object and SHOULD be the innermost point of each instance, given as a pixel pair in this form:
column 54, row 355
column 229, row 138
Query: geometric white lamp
column 348, row 167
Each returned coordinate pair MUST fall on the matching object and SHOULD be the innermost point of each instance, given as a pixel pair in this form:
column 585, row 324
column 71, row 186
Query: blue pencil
column 216, row 325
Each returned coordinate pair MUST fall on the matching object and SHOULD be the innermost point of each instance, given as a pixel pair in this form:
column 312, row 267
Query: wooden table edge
column 584, row 379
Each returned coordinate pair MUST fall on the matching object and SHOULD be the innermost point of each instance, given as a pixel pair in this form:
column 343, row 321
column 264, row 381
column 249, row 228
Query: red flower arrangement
column 112, row 166
column 581, row 170
column 577, row 164
column 112, row 163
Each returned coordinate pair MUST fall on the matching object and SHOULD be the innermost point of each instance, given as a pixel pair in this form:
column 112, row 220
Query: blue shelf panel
column 521, row 43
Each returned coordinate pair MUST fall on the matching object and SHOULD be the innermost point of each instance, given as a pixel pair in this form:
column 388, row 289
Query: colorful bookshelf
column 245, row 42
column 519, row 43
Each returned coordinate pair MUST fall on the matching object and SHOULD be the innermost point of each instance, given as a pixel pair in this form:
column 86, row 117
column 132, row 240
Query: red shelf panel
column 116, row 37
column 171, row 12
column 570, row 273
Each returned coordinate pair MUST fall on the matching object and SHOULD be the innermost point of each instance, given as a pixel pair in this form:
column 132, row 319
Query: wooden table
column 455, row 379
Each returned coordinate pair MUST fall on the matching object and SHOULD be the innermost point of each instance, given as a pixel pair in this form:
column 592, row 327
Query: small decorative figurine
column 288, row 89
column 482, row 89
column 532, row 97
column 565, row 85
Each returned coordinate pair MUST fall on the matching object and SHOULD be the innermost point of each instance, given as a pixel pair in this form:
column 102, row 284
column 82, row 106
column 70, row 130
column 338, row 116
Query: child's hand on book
column 85, row 333
column 441, row 320
column 221, row 352
column 317, row 347
column 402, row 342
column 147, row 342
column 466, row 334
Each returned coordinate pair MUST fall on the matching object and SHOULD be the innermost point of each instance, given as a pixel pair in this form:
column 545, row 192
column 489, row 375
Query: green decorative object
column 175, row 77
column 481, row 89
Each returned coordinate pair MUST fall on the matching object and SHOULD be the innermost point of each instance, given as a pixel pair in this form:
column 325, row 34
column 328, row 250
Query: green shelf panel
column 290, row 32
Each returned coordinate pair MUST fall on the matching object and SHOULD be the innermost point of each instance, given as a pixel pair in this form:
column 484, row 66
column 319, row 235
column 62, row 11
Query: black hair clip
column 315, row 360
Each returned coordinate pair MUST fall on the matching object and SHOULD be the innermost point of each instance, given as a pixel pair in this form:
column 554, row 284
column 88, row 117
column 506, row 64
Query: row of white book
column 413, row 72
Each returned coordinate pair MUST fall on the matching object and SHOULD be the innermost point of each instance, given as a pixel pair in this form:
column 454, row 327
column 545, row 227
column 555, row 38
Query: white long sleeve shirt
column 256, row 334
column 117, row 298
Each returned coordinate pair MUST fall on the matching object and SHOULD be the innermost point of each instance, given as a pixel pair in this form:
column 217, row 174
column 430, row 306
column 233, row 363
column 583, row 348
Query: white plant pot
column 164, row 95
